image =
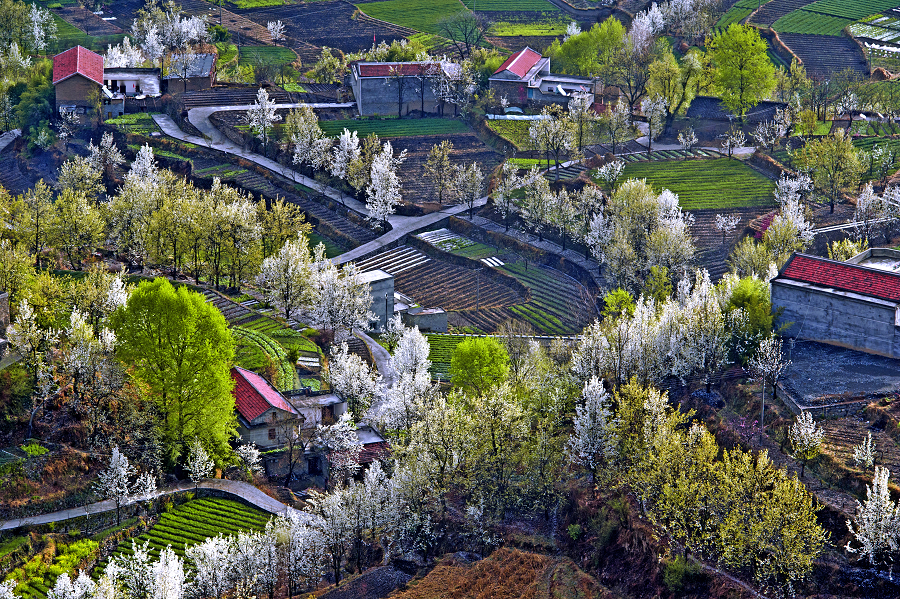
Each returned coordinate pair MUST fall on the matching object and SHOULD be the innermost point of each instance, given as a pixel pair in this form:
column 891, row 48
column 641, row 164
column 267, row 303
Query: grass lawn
column 253, row 55
column 548, row 28
column 421, row 16
column 394, row 127
column 719, row 183
column 515, row 132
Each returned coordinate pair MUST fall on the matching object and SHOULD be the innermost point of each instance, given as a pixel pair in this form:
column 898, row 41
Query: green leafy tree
column 478, row 364
column 744, row 74
column 833, row 163
column 180, row 346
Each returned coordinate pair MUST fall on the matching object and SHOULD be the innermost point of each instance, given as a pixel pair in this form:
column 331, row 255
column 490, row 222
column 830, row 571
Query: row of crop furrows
column 774, row 10
column 452, row 287
column 823, row 55
column 229, row 97
column 561, row 298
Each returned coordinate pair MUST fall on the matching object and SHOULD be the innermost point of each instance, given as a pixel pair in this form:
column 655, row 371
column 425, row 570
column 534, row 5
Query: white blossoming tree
column 262, row 116
column 806, row 439
column 343, row 448
column 876, row 525
column 199, row 465
column 654, row 110
column 768, row 364
column 287, row 277
column 383, row 191
column 250, row 458
column 167, row 576
column 864, row 453
column 352, row 379
column 114, row 482
column 593, row 441
column 276, row 30
column 610, row 172
column 344, row 154
column 66, row 588
column 310, row 144
column 727, row 223
column 212, row 562
column 504, row 200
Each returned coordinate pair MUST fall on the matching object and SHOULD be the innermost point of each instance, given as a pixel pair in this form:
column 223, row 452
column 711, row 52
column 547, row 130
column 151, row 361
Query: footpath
column 239, row 489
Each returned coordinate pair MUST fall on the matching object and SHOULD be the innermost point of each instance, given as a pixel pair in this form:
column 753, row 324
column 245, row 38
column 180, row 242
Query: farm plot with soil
column 332, row 23
column 467, row 148
column 843, row 434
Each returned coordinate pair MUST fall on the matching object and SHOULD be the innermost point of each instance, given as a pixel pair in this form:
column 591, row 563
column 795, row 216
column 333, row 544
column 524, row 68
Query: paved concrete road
column 245, row 491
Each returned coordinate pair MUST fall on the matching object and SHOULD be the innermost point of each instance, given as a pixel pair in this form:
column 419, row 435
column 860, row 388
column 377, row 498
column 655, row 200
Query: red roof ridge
column 510, row 63
column 251, row 408
column 843, row 276
column 78, row 61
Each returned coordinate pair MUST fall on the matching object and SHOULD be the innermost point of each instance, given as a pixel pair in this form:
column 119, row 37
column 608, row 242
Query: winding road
column 238, row 489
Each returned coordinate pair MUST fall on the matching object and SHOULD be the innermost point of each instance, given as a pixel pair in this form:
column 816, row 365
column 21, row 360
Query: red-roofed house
column 77, row 76
column 854, row 304
column 261, row 409
column 387, row 88
column 525, row 77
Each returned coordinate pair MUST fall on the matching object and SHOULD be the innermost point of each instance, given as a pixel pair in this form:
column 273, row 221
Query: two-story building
column 78, row 79
column 264, row 415
column 525, row 78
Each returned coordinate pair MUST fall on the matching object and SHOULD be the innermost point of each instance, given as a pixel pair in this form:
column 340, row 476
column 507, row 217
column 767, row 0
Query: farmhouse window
column 274, row 416
column 271, row 433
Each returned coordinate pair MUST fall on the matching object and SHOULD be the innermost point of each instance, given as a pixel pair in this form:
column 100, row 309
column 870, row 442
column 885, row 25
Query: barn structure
column 854, row 304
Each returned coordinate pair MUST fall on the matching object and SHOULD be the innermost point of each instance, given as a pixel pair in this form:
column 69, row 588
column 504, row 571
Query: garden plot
column 332, row 23
column 510, row 5
column 449, row 241
column 774, row 10
column 434, row 283
column 89, row 22
column 843, row 434
column 467, row 148
column 413, row 14
column 719, row 183
column 194, row 522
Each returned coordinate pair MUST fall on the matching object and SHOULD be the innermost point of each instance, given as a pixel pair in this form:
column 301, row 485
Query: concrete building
column 190, row 72
column 132, row 82
column 378, row 92
column 854, row 304
column 261, row 410
column 381, row 286
column 314, row 410
column 525, row 78
column 78, row 78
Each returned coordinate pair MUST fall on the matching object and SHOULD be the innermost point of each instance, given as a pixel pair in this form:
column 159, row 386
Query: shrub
column 575, row 531
column 34, row 449
column 679, row 572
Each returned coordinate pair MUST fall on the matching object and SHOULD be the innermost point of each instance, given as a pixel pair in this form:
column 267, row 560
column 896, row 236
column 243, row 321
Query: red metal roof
column 843, row 276
column 253, row 395
column 383, row 69
column 79, row 61
column 520, row 62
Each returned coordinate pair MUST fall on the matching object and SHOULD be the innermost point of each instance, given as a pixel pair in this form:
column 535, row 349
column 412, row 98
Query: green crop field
column 257, row 3
column 829, row 17
column 504, row 29
column 510, row 5
column 69, row 36
column 442, row 348
column 421, row 16
column 267, row 55
column 254, row 350
column 141, row 123
column 719, row 183
column 515, row 132
column 804, row 21
column 194, row 522
column 734, row 15
column 394, row 127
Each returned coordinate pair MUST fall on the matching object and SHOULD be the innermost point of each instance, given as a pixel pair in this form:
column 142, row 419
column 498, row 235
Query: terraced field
column 719, row 183
column 195, row 521
column 441, row 352
column 824, row 55
column 805, row 21
column 774, row 10
column 270, row 55
column 510, row 5
column 415, row 15
column 394, row 127
column 843, row 434
column 433, row 283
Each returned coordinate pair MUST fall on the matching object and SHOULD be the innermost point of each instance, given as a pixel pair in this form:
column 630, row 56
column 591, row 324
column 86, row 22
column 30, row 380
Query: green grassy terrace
column 394, row 127
column 720, row 183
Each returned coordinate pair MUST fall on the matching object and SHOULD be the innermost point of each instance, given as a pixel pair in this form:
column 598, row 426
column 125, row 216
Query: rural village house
column 525, row 78
column 190, row 72
column 854, row 304
column 381, row 87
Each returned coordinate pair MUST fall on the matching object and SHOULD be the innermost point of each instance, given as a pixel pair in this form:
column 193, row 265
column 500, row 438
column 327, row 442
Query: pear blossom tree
column 123, row 56
column 286, row 277
column 383, row 191
column 334, row 527
column 393, row 331
column 806, row 439
column 344, row 153
column 199, row 465
column 343, row 300
column 41, row 28
column 167, row 580
column 65, row 588
column 352, row 379
column 732, row 140
column 593, row 441
column 310, row 144
column 611, row 172
column 250, row 457
column 276, row 30
column 876, row 526
column 727, row 223
column 343, row 447
column 113, row 483
column 262, row 116
column 768, row 364
column 687, row 139
column 131, row 571
column 504, row 201
column 469, row 184
column 618, row 122
column 864, row 453
column 654, row 110
column 6, row 589
column 212, row 562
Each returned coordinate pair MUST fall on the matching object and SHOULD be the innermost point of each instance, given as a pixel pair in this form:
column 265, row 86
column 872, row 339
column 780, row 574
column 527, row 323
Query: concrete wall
column 515, row 91
column 375, row 95
column 429, row 319
column 382, row 308
column 837, row 317
column 177, row 86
